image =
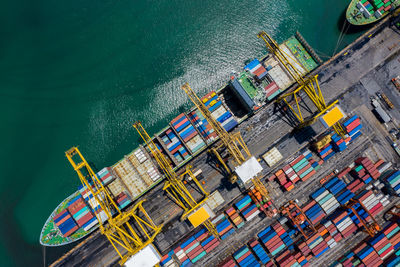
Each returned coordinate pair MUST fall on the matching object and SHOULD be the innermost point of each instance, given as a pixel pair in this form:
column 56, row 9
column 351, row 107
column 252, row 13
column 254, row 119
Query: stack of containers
column 123, row 200
column 283, row 180
column 367, row 255
column 202, row 125
column 190, row 250
column 313, row 211
column 168, row 261
column 210, row 244
column 317, row 244
column 341, row 174
column 224, row 227
column 348, row 259
column 174, row 145
column 325, row 199
column 355, row 185
column 353, row 127
column 287, row 258
column 153, row 173
column 234, row 217
column 228, row 262
column 338, row 188
column 94, row 205
column 271, row 241
column 260, row 202
column 244, row 257
column 304, row 249
column 256, row 69
column 80, row 212
column 369, row 167
column 371, row 202
column 330, row 238
column 360, row 173
column 384, row 166
column 260, row 253
column 382, row 245
column 393, row 180
column 187, row 133
column 394, row 260
column 218, row 111
column 105, row 175
column 338, row 143
column 247, row 208
column 302, row 166
column 272, row 90
column 344, row 224
column 65, row 223
column 326, row 152
column 392, row 232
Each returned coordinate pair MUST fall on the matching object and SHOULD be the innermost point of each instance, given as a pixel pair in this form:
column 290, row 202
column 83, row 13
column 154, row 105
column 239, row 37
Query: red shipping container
column 209, row 249
column 179, row 117
column 296, row 160
column 353, row 125
column 85, row 219
column 300, row 172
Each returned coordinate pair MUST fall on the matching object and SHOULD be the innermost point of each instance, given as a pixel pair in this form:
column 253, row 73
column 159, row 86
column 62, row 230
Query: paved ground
column 363, row 68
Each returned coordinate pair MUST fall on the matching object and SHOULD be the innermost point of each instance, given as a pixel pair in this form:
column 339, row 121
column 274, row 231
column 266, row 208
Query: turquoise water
column 80, row 72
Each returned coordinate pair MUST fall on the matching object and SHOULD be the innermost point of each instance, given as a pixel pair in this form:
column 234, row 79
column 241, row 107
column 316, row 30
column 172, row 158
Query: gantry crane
column 309, row 85
column 291, row 207
column 176, row 188
column 232, row 142
column 371, row 228
column 130, row 230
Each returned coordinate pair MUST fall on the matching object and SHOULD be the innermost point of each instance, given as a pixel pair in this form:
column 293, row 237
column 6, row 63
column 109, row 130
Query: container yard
column 329, row 194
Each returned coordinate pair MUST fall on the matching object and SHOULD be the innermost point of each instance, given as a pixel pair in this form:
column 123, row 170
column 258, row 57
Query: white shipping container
column 333, row 208
column 252, row 216
column 92, row 224
column 324, row 194
column 221, row 110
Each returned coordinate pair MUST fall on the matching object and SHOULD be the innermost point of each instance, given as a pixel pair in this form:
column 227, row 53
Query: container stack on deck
column 172, row 142
column 65, row 223
column 188, row 133
column 80, row 212
column 218, row 111
column 202, row 125
column 256, row 68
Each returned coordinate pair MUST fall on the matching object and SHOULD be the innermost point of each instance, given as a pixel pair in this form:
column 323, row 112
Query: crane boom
column 309, row 85
column 119, row 230
column 232, row 142
column 174, row 185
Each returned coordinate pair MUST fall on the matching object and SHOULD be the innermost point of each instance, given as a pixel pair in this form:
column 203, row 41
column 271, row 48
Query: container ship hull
column 186, row 136
column 365, row 12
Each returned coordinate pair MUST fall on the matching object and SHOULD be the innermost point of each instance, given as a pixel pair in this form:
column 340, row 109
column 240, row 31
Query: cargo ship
column 369, row 11
column 259, row 82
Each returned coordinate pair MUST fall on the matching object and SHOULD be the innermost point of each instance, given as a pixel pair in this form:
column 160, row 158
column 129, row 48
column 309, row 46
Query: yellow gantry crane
column 119, row 230
column 309, row 85
column 232, row 142
column 196, row 212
